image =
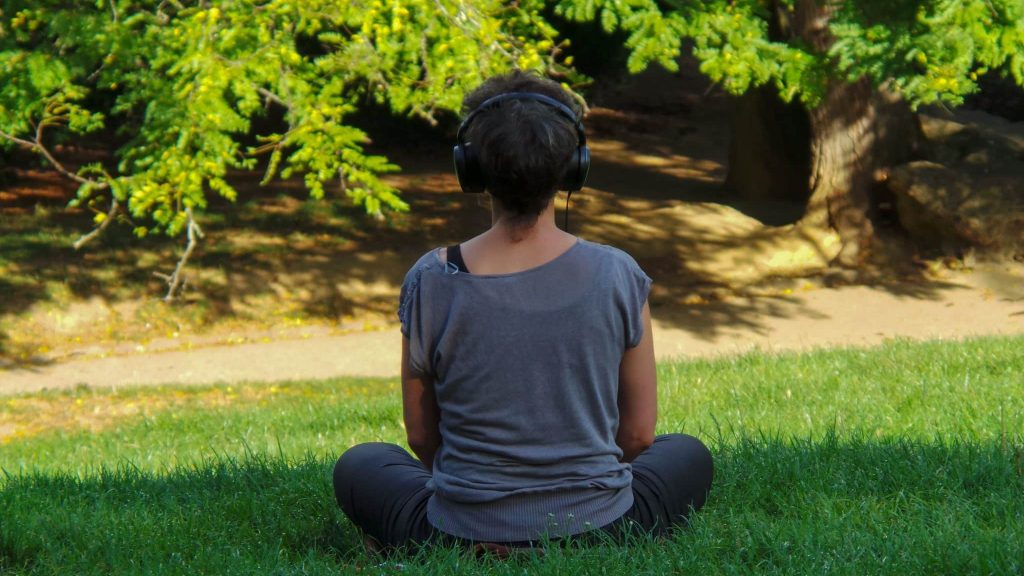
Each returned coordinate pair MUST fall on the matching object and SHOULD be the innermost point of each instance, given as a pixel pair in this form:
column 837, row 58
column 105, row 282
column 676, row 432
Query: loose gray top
column 526, row 371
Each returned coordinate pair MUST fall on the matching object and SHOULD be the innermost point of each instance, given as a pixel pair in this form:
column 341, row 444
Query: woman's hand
column 638, row 395
column 420, row 411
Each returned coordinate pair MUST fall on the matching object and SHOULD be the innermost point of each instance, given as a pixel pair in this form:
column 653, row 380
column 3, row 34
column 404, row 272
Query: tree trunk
column 854, row 133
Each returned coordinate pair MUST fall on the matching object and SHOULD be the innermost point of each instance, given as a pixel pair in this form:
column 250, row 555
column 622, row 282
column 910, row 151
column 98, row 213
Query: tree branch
column 60, row 167
column 176, row 281
column 270, row 96
column 37, row 146
column 114, row 207
column 19, row 141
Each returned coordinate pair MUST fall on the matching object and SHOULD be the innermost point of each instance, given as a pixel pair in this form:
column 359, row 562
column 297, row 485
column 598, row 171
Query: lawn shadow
column 834, row 465
column 250, row 513
column 840, row 491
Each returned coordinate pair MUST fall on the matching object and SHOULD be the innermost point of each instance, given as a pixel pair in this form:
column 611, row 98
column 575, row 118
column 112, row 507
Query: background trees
column 188, row 91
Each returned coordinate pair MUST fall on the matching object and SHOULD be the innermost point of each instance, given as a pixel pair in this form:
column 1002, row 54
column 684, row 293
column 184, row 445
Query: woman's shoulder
column 609, row 253
column 432, row 259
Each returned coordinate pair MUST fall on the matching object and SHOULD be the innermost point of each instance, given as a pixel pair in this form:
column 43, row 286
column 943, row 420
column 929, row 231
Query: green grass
column 904, row 459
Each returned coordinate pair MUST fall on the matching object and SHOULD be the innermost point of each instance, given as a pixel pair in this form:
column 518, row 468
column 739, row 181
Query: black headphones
column 467, row 163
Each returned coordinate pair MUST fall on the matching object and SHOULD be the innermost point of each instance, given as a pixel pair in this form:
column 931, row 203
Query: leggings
column 383, row 490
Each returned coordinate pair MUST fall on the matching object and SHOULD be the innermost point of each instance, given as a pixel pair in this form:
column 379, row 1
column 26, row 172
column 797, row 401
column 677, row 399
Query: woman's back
column 525, row 371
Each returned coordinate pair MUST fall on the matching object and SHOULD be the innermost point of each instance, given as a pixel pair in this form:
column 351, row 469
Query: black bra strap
column 455, row 258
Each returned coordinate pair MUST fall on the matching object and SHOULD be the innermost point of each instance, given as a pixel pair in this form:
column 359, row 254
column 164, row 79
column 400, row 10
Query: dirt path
column 988, row 300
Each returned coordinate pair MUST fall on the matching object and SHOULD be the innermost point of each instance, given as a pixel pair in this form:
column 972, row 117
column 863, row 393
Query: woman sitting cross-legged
column 528, row 377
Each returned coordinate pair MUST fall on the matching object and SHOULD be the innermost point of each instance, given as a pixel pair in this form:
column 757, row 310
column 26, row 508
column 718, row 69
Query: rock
column 969, row 193
column 976, row 142
column 955, row 207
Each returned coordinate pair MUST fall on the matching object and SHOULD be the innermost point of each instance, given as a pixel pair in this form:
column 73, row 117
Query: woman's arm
column 419, row 407
column 638, row 395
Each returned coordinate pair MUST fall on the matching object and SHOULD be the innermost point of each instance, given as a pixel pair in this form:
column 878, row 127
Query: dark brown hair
column 524, row 146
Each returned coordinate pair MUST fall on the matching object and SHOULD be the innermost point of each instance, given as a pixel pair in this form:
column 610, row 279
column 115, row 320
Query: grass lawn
column 904, row 459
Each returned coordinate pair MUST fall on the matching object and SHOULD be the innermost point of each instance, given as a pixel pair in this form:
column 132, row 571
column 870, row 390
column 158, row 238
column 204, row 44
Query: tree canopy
column 928, row 51
column 182, row 86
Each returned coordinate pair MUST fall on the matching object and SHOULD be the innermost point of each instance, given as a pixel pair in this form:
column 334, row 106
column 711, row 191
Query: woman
column 528, row 376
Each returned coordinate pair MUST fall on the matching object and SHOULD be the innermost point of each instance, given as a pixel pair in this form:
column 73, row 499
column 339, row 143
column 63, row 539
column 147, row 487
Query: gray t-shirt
column 526, row 371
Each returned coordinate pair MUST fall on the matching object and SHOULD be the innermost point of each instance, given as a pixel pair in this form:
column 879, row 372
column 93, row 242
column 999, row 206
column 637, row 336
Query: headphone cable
column 566, row 219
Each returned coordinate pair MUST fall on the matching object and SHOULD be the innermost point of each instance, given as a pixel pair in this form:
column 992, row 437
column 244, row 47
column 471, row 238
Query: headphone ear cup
column 467, row 168
column 579, row 167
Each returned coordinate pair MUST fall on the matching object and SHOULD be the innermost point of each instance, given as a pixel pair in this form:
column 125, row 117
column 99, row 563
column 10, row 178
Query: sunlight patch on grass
column 92, row 411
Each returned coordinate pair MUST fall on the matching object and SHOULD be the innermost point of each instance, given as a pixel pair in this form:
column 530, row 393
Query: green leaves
column 181, row 84
column 928, row 51
column 730, row 39
column 734, row 47
column 654, row 36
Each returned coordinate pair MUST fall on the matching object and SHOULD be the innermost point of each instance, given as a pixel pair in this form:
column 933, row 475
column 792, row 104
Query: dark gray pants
column 383, row 490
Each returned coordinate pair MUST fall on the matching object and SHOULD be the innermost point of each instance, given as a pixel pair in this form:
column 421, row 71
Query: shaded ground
column 288, row 288
column 987, row 301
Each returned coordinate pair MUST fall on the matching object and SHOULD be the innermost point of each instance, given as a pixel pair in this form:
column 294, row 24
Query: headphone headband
column 534, row 96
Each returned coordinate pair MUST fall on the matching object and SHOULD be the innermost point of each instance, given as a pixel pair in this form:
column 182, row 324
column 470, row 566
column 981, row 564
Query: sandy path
column 989, row 301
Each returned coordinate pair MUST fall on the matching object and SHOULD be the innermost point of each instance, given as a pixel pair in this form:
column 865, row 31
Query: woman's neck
column 511, row 245
column 518, row 229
